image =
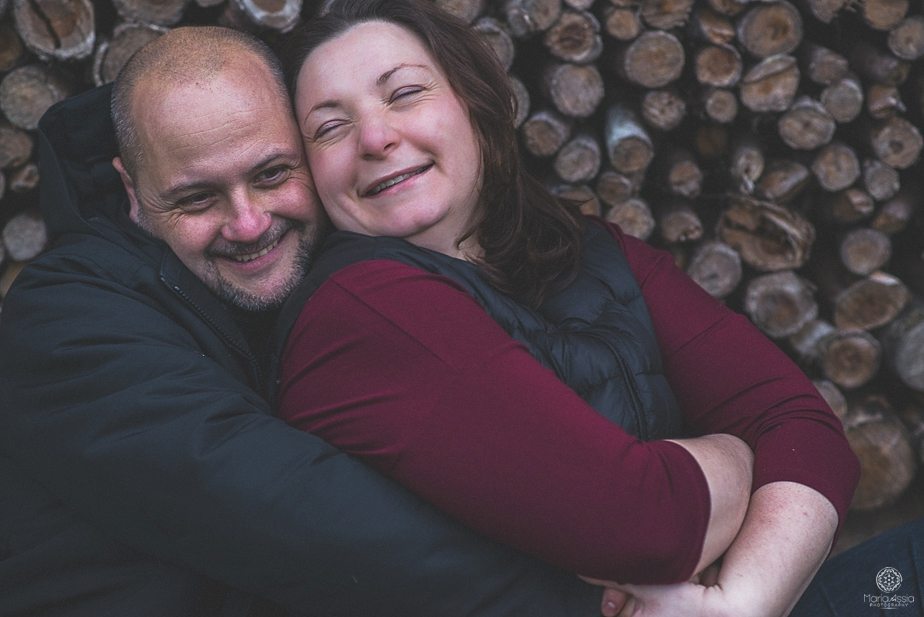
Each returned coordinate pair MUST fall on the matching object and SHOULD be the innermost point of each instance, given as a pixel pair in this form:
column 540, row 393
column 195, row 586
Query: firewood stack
column 774, row 147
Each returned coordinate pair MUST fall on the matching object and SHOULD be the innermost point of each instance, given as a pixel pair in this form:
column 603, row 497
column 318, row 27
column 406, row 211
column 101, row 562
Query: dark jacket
column 595, row 333
column 128, row 392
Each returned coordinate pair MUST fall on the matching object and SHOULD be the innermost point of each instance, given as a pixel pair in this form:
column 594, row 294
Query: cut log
column 780, row 303
column 633, row 216
column 579, row 159
column 719, row 105
column 679, row 172
column 522, row 99
column 716, row 267
column 2, row 193
column 836, row 166
column 822, row 65
column 653, row 60
column 870, row 302
column 843, row 99
column 864, row 250
column 718, row 65
column 906, row 40
column 770, row 29
column 208, row 3
column 160, row 13
column 883, row 101
column 613, row 187
column 12, row 51
column 574, row 37
column 112, row 55
column 277, row 15
column 880, row 180
column 526, row 17
column 783, row 180
column 849, row 358
column 544, row 132
column 10, row 272
column 621, row 23
column 27, row 92
column 771, row 85
column 628, row 144
column 848, row 206
column 896, row 141
column 23, row 179
column 711, row 141
column 912, row 416
column 576, row 90
column 877, row 65
column 826, row 10
column 665, row 14
column 708, row 25
column 466, row 10
column 769, row 237
column 582, row 195
column 746, row 164
column 727, row 7
column 15, row 146
column 895, row 214
column 882, row 444
column 903, row 342
column 833, row 397
column 678, row 222
column 498, row 38
column 883, row 14
column 806, row 342
column 806, row 125
column 24, row 236
column 663, row 109
column 59, row 29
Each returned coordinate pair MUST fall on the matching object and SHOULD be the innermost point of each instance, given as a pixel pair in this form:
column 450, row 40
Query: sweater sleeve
column 729, row 378
column 404, row 369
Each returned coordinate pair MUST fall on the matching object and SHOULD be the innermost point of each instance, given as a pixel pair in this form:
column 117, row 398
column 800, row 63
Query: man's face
column 223, row 181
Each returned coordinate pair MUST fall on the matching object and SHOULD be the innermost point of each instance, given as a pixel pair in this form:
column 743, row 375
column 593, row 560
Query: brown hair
column 531, row 239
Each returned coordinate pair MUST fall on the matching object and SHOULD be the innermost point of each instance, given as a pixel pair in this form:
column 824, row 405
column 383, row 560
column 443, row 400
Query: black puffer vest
column 595, row 334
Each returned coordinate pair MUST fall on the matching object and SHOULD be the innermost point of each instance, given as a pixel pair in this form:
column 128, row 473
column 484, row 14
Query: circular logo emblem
column 888, row 579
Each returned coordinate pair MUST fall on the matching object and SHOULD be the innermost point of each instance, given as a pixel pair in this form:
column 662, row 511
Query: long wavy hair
column 531, row 239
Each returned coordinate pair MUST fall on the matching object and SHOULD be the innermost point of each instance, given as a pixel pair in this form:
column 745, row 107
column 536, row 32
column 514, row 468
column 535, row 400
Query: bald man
column 141, row 473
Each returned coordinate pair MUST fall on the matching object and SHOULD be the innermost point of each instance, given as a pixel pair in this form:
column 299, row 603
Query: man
column 132, row 353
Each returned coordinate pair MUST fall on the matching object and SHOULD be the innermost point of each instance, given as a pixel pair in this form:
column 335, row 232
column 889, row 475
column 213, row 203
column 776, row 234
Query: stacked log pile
column 774, row 147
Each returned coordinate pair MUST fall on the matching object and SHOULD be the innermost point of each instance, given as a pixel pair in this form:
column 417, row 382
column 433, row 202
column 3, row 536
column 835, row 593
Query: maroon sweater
column 402, row 368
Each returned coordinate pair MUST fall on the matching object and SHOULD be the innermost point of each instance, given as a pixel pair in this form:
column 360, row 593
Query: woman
column 407, row 121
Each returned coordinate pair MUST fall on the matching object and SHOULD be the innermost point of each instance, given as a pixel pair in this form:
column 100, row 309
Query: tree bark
column 628, row 144
column 12, row 51
column 746, row 163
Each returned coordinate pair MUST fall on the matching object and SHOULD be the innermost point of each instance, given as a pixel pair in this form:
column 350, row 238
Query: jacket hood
column 76, row 146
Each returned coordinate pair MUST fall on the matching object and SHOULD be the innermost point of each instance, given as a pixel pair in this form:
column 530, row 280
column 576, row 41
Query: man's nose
column 247, row 220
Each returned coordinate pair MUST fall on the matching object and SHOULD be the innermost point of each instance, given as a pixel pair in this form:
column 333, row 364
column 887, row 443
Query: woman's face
column 390, row 145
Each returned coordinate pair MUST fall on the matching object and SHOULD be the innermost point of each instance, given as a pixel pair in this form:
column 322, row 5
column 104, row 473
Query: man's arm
column 114, row 408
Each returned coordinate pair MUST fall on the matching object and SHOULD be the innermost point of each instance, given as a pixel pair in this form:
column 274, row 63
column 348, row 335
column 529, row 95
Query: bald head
column 180, row 57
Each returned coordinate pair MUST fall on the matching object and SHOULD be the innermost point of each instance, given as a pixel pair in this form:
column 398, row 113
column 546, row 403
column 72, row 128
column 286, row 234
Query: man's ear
column 129, row 184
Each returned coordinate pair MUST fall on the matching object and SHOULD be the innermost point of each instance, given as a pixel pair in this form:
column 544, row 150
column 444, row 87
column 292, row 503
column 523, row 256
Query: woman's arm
column 729, row 378
column 402, row 368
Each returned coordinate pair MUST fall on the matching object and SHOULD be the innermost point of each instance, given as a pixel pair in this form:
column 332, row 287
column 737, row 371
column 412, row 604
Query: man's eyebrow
column 268, row 159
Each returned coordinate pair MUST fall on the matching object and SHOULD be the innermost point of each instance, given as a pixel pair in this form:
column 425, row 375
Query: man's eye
column 195, row 202
column 273, row 174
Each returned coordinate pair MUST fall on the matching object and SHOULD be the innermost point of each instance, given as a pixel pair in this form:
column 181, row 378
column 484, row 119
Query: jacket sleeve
column 112, row 406
column 728, row 377
column 401, row 367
